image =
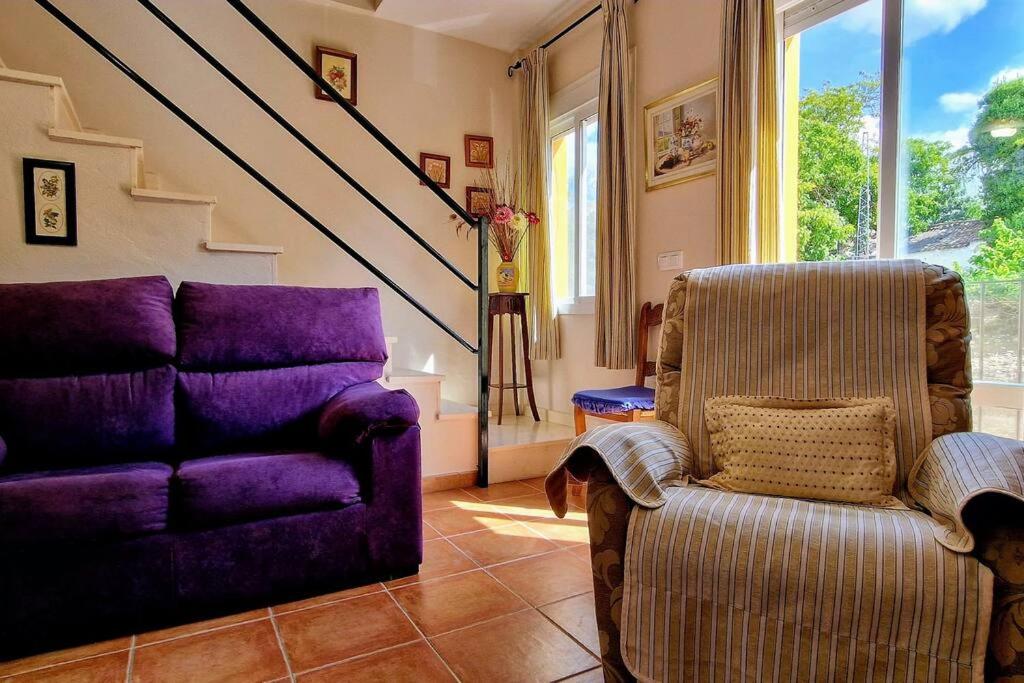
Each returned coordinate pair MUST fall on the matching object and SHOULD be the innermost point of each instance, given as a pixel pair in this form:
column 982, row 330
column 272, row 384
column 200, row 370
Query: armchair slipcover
column 697, row 584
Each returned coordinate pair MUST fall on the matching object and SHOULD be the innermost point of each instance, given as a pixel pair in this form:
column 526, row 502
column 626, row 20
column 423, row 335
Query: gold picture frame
column 681, row 136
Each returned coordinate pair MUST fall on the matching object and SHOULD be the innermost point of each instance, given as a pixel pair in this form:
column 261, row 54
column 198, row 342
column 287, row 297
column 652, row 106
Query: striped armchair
column 696, row 584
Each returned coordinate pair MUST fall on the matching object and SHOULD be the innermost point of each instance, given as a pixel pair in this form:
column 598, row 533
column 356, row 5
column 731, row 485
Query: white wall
column 677, row 45
column 422, row 89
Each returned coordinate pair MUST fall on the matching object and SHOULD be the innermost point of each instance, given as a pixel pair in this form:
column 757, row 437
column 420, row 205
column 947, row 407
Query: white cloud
column 1007, row 74
column 921, row 17
column 957, row 137
column 959, row 102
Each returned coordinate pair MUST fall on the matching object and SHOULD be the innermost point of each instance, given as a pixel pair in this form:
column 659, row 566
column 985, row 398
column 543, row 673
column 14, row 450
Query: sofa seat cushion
column 228, row 489
column 92, row 503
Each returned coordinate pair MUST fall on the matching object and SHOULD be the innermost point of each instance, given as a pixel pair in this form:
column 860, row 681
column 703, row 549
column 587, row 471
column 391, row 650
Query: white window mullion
column 889, row 150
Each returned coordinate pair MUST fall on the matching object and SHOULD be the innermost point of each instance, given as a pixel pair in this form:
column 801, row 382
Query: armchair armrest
column 643, row 459
column 362, row 410
column 958, row 468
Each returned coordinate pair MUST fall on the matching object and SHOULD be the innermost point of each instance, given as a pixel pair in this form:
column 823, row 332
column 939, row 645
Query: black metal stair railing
column 481, row 287
column 306, row 142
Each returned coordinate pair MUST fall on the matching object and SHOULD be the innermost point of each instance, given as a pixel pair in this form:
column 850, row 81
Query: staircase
column 128, row 224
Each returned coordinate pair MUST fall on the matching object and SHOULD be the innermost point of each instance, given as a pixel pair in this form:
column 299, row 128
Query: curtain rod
column 561, row 34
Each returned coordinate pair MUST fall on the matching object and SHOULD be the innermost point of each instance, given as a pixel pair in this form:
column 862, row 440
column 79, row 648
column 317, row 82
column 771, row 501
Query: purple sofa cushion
column 233, row 411
column 88, row 420
column 234, row 327
column 361, row 410
column 228, row 489
column 113, row 501
column 59, row 328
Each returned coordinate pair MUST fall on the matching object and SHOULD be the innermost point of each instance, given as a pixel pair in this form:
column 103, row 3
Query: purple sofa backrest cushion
column 258, row 363
column 236, row 327
column 64, row 328
column 85, row 372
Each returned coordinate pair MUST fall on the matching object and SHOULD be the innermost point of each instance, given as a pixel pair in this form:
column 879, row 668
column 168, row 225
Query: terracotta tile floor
column 504, row 594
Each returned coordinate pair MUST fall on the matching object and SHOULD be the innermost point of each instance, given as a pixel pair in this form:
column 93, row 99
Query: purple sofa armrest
column 3, row 450
column 361, row 411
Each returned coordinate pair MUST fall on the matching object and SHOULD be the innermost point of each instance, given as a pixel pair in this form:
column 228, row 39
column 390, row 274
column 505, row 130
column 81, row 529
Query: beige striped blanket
column 956, row 469
column 729, row 586
column 806, row 330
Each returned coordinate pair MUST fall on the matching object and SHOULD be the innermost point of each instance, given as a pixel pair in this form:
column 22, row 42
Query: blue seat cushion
column 621, row 400
column 229, row 489
column 85, row 504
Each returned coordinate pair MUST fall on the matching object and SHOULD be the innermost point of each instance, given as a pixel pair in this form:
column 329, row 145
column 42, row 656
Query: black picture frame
column 32, row 234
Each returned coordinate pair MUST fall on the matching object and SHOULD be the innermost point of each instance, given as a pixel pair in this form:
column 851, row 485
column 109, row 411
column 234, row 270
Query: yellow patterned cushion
column 839, row 450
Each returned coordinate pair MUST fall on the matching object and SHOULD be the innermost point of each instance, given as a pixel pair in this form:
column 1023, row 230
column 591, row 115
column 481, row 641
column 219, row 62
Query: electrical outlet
column 670, row 260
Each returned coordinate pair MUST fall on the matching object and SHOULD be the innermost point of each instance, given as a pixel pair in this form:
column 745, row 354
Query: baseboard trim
column 445, row 482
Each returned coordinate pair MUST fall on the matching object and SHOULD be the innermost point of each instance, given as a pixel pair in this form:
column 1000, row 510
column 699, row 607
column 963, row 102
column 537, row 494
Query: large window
column 573, row 207
column 904, row 137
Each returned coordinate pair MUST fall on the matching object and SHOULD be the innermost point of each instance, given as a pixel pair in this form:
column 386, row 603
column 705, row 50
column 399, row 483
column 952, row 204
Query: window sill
column 581, row 306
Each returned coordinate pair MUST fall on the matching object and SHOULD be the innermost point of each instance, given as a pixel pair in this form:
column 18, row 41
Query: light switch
column 670, row 260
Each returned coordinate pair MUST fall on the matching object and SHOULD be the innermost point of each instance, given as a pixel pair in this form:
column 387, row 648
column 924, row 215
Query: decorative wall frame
column 479, row 151
column 50, row 202
column 478, row 201
column 340, row 69
column 681, row 136
column 437, row 167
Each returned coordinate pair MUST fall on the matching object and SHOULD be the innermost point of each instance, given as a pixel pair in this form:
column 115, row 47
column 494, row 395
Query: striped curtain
column 615, row 303
column 533, row 193
column 748, row 102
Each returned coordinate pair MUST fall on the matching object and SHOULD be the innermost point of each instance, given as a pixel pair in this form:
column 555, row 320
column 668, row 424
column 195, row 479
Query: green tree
column 1000, row 160
column 936, row 186
column 1001, row 257
column 833, row 167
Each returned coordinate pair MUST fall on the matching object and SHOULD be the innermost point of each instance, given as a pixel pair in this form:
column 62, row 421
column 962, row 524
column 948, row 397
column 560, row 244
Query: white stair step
column 407, row 376
column 148, row 195
column 244, row 248
column 86, row 138
column 451, row 410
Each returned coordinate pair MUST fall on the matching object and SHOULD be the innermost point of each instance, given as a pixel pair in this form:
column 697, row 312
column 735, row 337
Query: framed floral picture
column 479, row 151
column 50, row 202
column 338, row 68
column 437, row 167
column 478, row 201
column 681, row 136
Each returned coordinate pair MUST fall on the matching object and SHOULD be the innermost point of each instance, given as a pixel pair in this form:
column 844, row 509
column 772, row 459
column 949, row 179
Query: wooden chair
column 625, row 404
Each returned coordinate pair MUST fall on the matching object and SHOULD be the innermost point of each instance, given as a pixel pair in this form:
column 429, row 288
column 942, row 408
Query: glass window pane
column 961, row 191
column 831, row 137
column 587, row 247
column 562, row 207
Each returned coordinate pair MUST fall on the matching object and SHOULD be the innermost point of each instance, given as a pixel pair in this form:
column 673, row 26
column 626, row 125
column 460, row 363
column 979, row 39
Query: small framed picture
column 437, row 167
column 479, row 151
column 50, row 204
column 681, row 136
column 478, row 201
column 338, row 68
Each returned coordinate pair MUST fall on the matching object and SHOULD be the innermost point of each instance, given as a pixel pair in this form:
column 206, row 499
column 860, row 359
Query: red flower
column 533, row 218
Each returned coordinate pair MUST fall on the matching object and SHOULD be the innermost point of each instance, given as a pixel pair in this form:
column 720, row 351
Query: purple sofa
column 169, row 459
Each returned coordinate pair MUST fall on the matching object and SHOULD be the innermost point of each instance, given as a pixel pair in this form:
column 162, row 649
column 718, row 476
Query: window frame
column 575, row 120
column 891, row 161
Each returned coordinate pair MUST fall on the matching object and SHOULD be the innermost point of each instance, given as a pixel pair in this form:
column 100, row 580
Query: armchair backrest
column 819, row 330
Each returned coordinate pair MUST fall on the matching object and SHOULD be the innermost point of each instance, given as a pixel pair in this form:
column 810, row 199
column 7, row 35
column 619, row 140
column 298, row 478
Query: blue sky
column 952, row 51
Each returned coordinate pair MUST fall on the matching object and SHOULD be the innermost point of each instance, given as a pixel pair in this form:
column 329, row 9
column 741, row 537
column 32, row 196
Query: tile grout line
column 353, row 658
column 131, row 661
column 212, row 629
column 280, row 645
column 62, row 662
column 322, row 604
column 422, row 635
